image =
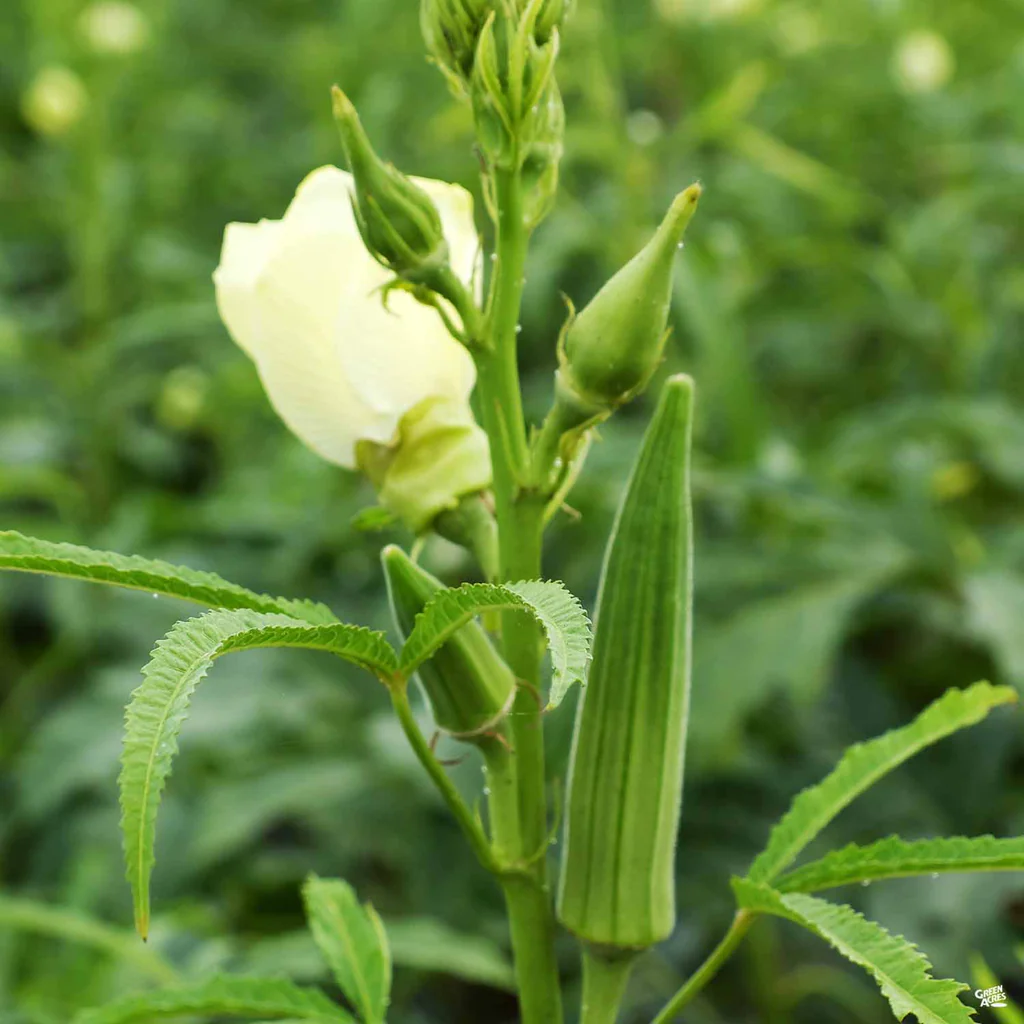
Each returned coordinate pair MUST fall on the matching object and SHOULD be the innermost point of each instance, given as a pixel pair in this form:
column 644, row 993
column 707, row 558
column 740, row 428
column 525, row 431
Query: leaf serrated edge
column 895, row 857
column 939, row 1003
column 864, row 764
column 195, row 644
column 564, row 620
column 21, row 553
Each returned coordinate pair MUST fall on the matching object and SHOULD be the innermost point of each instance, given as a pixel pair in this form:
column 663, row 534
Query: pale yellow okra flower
column 349, row 375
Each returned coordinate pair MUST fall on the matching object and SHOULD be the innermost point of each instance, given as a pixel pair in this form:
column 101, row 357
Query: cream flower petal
column 302, row 297
column 455, row 205
column 299, row 299
column 399, row 356
column 247, row 247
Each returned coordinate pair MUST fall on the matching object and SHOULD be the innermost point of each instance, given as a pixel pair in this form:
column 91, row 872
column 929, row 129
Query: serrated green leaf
column 29, row 554
column 565, row 623
column 223, row 996
column 352, row 940
column 864, row 764
column 160, row 705
column 896, row 858
column 902, row 972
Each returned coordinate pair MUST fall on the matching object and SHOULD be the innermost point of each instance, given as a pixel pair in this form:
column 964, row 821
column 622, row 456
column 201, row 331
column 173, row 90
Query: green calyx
column 452, row 29
column 609, row 352
column 468, row 685
column 398, row 221
column 625, row 780
column 516, row 103
column 441, row 455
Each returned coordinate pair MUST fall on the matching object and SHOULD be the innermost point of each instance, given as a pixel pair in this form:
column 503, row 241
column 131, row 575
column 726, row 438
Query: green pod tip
column 468, row 685
column 626, row 775
column 610, row 351
column 399, row 222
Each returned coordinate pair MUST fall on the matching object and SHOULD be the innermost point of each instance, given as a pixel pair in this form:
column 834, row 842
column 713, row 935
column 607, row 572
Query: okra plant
column 372, row 314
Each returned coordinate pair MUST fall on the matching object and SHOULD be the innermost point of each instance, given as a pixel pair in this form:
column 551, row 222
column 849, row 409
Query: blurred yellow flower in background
column 55, row 100
column 923, row 62
column 114, row 27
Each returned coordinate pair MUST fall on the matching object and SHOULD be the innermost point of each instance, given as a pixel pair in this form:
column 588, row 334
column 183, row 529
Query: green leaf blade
column 896, row 858
column 563, row 618
column 864, row 764
column 352, row 940
column 30, row 554
column 903, row 974
column 160, row 705
column 223, row 996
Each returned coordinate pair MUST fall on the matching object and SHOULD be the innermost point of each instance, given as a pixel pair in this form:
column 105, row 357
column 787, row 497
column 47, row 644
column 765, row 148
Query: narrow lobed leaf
column 352, row 940
column 160, row 705
column 896, row 858
column 223, row 996
column 901, row 971
column 864, row 764
column 29, row 554
column 563, row 618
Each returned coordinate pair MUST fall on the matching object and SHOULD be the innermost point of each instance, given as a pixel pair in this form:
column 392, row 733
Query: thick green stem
column 518, row 807
column 604, row 984
column 733, row 937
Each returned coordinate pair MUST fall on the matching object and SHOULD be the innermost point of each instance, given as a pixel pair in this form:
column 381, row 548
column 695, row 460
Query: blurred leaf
column 417, row 943
column 788, row 642
column 995, row 612
column 222, row 996
column 352, row 940
column 70, row 926
column 984, row 977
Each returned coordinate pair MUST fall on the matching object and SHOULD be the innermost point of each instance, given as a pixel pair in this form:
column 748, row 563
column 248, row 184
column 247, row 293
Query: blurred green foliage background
column 850, row 301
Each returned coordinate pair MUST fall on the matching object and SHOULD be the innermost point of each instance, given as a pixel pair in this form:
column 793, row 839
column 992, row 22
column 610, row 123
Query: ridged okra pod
column 617, row 888
column 468, row 684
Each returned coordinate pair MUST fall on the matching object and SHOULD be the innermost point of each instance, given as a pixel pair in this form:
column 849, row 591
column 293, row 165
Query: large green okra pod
column 617, row 884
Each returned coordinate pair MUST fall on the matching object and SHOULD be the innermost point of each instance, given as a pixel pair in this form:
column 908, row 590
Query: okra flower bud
column 398, row 220
column 452, row 29
column 513, row 88
column 626, row 774
column 610, row 351
column 468, row 685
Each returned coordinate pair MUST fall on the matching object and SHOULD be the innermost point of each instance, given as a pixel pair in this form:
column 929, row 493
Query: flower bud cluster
column 453, row 28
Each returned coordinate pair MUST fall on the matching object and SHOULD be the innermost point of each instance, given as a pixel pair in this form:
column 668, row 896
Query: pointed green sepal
column 468, row 685
column 399, row 222
column 617, row 881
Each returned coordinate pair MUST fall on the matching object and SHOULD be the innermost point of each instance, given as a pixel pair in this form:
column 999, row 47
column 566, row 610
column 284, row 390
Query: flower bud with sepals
column 398, row 221
column 513, row 88
column 468, row 685
column 609, row 352
column 452, row 29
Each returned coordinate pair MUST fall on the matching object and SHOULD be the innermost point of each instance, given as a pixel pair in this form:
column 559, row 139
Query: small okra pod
column 468, row 685
column 617, row 887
